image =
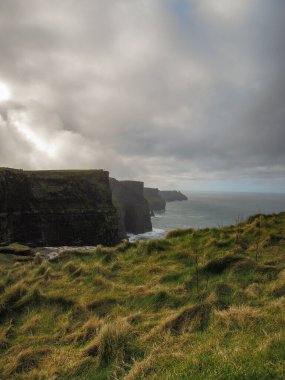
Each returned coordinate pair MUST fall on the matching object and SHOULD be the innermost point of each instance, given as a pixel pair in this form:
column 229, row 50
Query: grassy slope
column 138, row 311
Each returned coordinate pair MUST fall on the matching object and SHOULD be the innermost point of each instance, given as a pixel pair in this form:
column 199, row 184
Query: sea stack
column 132, row 208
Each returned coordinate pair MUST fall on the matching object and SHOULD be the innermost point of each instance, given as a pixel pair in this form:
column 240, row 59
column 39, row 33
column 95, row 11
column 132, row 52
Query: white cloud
column 227, row 10
column 156, row 90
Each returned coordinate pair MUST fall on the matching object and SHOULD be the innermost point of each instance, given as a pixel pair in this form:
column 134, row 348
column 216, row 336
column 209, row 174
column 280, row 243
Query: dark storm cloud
column 161, row 90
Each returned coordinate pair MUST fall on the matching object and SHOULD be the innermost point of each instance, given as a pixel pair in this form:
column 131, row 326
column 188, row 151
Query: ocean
column 211, row 209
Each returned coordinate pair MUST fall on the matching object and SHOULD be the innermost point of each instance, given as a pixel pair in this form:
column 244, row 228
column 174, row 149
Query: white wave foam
column 156, row 233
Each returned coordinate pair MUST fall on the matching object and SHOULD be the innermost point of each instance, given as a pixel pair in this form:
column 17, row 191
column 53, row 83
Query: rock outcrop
column 132, row 207
column 53, row 208
column 155, row 200
column 173, row 195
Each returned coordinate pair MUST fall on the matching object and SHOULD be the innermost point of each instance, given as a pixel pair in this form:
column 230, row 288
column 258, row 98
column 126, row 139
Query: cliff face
column 57, row 208
column 19, row 221
column 173, row 195
column 155, row 200
column 132, row 207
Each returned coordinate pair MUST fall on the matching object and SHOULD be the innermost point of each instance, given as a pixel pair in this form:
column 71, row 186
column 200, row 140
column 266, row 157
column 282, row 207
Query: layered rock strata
column 53, row 208
column 155, row 200
column 132, row 208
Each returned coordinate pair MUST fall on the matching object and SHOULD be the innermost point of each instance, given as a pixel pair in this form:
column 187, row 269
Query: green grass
column 201, row 304
column 15, row 249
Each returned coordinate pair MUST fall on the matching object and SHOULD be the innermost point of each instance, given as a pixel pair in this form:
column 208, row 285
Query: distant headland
column 75, row 207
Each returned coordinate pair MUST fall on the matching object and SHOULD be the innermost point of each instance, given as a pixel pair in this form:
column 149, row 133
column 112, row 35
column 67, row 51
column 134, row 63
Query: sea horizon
column 209, row 209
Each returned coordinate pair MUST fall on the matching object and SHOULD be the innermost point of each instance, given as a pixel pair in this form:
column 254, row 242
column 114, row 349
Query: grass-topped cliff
column 207, row 304
column 57, row 207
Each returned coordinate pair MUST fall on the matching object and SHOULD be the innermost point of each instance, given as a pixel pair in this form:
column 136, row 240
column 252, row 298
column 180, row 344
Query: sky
column 183, row 94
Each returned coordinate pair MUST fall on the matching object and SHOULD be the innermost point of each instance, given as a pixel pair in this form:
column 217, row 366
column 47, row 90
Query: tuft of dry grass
column 101, row 250
column 16, row 249
column 38, row 259
column 11, row 295
column 272, row 239
column 140, row 369
column 139, row 289
column 191, row 318
column 152, row 246
column 31, row 325
column 62, row 363
column 48, row 274
column 102, row 305
column 59, row 300
column 238, row 317
column 70, row 267
column 108, row 254
column 98, row 268
column 101, row 281
column 254, row 290
column 277, row 305
column 5, row 334
column 42, row 269
column 154, row 269
column 26, row 360
column 89, row 329
column 278, row 287
column 123, row 246
column 134, row 318
column 179, row 232
column 75, row 270
column 113, row 343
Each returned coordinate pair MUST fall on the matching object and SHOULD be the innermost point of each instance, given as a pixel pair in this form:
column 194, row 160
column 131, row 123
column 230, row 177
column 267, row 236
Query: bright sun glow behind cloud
column 5, row 93
column 39, row 143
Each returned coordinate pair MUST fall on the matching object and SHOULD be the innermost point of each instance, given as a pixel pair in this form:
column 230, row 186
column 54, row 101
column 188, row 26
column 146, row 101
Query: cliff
column 173, row 195
column 132, row 207
column 52, row 208
column 155, row 200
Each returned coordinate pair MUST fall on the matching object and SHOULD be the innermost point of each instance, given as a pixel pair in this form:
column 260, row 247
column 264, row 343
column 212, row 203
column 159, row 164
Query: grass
column 238, row 317
column 25, row 360
column 198, row 305
column 114, row 343
column 220, row 264
column 193, row 318
column 15, row 249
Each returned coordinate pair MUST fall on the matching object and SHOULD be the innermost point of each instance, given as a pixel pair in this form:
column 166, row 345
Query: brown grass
column 112, row 343
column 140, row 369
column 191, row 318
column 11, row 295
column 38, row 259
column 254, row 290
column 61, row 363
column 25, row 360
column 5, row 334
column 238, row 317
column 31, row 325
column 278, row 287
column 87, row 331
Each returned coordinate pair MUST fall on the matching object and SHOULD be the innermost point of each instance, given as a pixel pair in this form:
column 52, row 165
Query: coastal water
column 213, row 209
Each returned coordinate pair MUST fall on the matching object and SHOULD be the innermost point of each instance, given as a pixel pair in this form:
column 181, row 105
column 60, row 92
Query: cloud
column 167, row 90
column 226, row 10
